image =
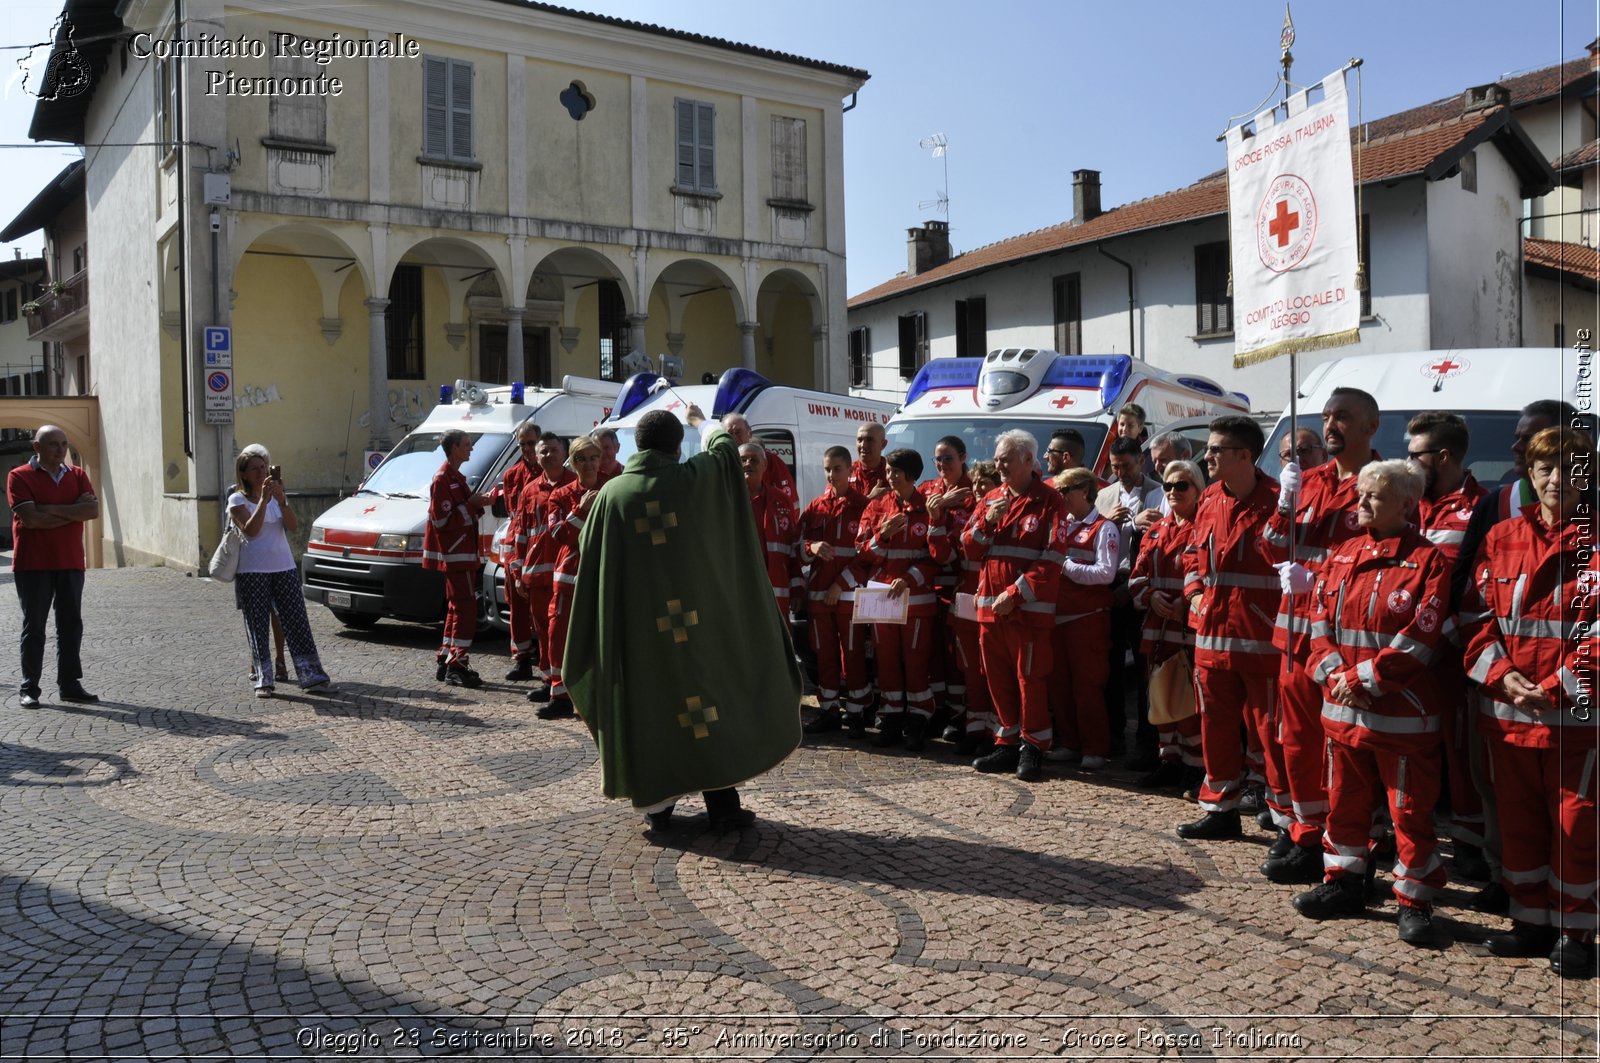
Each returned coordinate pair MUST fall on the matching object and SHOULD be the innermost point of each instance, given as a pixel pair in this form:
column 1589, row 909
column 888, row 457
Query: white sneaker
column 1058, row 755
column 263, row 692
column 1092, row 763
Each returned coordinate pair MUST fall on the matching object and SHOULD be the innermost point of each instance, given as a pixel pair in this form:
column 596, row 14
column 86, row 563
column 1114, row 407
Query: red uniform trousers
column 1082, row 651
column 1547, row 832
column 966, row 661
column 1466, row 804
column 841, row 649
column 1361, row 780
column 556, row 635
column 902, row 652
column 1229, row 698
column 1017, row 659
column 538, row 608
column 1295, row 747
column 523, row 631
column 460, row 616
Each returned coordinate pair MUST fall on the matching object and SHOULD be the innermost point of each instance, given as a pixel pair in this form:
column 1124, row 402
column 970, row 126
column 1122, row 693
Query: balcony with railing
column 62, row 312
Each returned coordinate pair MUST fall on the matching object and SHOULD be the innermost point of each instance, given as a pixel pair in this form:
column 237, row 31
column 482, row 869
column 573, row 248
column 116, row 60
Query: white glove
column 1294, row 577
column 1289, row 486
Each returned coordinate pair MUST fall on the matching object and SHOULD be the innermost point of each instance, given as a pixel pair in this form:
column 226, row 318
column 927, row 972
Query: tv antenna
column 941, row 201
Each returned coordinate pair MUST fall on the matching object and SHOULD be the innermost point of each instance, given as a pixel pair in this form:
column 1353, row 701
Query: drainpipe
column 1129, row 267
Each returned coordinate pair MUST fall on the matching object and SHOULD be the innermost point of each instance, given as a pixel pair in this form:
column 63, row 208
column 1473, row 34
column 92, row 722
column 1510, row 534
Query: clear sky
column 1026, row 91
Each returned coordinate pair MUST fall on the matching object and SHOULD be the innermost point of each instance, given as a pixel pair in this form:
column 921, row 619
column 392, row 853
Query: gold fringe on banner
column 1296, row 346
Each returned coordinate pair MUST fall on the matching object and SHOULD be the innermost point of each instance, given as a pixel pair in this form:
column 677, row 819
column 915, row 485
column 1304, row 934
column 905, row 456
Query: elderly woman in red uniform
column 1156, row 584
column 1081, row 643
column 1379, row 608
column 1532, row 643
column 450, row 546
column 567, row 508
column 893, row 544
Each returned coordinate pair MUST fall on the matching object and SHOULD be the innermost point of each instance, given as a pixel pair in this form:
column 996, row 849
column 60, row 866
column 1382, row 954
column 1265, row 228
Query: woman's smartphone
column 275, row 472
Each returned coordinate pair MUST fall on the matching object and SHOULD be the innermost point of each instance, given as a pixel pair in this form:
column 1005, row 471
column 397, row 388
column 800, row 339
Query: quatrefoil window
column 578, row 100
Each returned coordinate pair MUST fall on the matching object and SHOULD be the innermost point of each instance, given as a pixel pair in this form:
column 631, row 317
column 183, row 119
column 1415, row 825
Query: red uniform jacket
column 1324, row 518
column 778, row 478
column 903, row 555
column 868, row 480
column 944, row 535
column 779, row 533
column 518, row 475
column 450, row 538
column 1229, row 565
column 1159, row 567
column 1021, row 552
column 1532, row 609
column 1378, row 612
column 535, row 561
column 835, row 520
column 1444, row 522
column 1092, row 544
column 564, row 526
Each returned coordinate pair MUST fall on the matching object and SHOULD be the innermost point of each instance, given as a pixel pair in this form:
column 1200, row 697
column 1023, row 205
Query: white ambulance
column 1039, row 391
column 1486, row 386
column 794, row 423
column 364, row 558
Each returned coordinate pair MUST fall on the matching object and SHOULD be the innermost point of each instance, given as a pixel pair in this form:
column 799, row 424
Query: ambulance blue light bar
column 735, row 389
column 1242, row 397
column 1200, row 383
column 446, row 393
column 634, row 392
column 944, row 373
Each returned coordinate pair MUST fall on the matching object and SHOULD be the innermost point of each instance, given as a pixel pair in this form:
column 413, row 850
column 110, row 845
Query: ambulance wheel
column 359, row 621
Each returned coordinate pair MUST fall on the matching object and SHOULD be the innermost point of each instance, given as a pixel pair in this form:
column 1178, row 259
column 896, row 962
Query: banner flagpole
column 1286, row 41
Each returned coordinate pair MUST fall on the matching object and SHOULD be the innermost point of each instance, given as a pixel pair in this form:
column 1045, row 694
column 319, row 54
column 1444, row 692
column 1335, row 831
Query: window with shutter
column 860, row 348
column 1213, row 304
column 696, row 123
column 913, row 343
column 1067, row 295
column 972, row 327
column 447, row 109
column 789, row 158
column 303, row 116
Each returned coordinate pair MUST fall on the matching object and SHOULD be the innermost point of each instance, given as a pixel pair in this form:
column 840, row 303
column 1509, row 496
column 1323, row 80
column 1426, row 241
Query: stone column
column 747, row 343
column 377, row 374
column 514, row 366
column 636, row 341
column 821, row 378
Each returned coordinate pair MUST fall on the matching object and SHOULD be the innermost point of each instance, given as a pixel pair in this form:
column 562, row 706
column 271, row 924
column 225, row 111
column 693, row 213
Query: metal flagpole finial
column 1286, row 41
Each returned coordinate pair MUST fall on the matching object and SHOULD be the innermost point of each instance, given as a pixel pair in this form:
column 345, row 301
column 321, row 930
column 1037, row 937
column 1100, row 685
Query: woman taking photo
column 268, row 580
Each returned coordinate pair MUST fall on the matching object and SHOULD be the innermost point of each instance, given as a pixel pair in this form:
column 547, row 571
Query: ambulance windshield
column 979, row 434
column 409, row 468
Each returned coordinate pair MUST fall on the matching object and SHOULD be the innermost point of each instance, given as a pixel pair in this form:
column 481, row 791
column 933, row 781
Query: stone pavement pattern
column 404, row 868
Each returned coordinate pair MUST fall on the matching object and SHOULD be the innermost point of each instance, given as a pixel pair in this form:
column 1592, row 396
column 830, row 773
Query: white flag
column 1292, row 229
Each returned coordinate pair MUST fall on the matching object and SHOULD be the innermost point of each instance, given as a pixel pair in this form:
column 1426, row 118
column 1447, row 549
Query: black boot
column 889, row 731
column 1492, row 900
column 1212, row 825
column 1030, row 763
column 660, row 822
column 1571, row 958
column 1333, row 899
column 1523, row 939
column 521, row 671
column 1281, row 846
column 723, row 811
column 1001, row 759
column 539, row 694
column 825, row 723
column 916, row 732
column 459, row 675
column 1302, row 864
column 1415, row 925
column 1470, row 863
column 856, row 727
column 558, row 709
column 1167, row 773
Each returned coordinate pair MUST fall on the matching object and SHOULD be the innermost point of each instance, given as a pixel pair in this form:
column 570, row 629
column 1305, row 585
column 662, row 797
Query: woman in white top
column 268, row 580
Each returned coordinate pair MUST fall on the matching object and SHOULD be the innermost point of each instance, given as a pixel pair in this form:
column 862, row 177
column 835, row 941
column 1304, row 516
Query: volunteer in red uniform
column 893, row 544
column 1379, row 609
column 777, row 475
column 869, row 474
column 1156, row 584
column 1532, row 643
column 568, row 507
column 776, row 527
column 1319, row 509
column 1438, row 444
column 1018, row 534
column 450, row 546
column 50, row 501
column 828, row 530
column 1081, row 644
column 1503, row 504
column 534, row 563
column 1232, row 588
column 951, row 496
column 508, row 500
column 609, row 446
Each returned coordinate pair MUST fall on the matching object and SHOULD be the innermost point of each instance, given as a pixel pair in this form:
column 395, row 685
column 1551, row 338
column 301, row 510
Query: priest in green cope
column 675, row 657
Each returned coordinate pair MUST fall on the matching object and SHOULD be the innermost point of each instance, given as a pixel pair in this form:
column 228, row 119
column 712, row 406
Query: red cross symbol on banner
column 369, row 509
column 1445, row 366
column 942, row 400
column 1283, row 223
column 1063, row 402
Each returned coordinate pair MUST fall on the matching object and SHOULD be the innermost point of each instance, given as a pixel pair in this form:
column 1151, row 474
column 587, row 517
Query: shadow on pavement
column 28, row 766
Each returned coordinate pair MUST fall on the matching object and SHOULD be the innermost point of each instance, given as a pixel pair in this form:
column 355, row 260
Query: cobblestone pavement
column 403, row 869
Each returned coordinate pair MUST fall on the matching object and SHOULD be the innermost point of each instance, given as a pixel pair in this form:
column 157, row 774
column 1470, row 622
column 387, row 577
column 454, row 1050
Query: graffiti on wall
column 405, row 410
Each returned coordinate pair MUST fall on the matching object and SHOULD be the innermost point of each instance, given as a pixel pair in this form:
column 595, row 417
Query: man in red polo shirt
column 50, row 500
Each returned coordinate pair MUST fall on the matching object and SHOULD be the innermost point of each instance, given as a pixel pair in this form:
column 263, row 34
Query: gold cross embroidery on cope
column 706, row 715
column 677, row 621
column 655, row 523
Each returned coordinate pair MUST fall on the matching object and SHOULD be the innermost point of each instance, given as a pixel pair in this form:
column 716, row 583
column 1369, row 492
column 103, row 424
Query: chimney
column 928, row 247
column 1485, row 97
column 1085, row 195
column 1594, row 54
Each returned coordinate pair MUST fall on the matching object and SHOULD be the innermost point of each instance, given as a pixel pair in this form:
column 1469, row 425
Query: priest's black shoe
column 1212, row 825
column 660, row 822
column 723, row 810
column 1333, row 899
column 1302, row 864
column 1523, row 939
column 1000, row 759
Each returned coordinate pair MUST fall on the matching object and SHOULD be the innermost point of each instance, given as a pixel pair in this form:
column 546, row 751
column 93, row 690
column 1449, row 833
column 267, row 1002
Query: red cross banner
column 1292, row 228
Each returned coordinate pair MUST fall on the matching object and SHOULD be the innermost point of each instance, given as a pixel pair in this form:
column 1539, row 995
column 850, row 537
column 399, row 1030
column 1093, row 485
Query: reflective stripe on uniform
column 1377, row 721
